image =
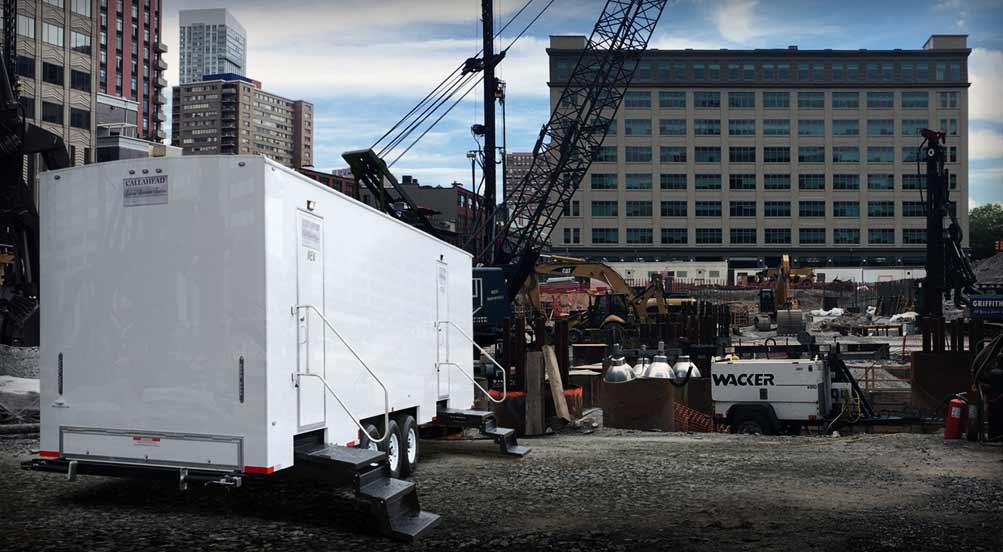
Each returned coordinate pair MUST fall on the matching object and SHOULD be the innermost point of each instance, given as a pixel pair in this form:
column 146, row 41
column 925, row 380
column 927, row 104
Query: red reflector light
column 147, row 439
column 434, row 418
column 49, row 453
column 259, row 469
column 350, row 444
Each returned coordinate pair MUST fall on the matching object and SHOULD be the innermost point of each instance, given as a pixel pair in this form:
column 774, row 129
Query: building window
column 777, row 127
column 643, row 72
column 814, row 209
column 845, row 127
column 80, row 118
column 672, row 100
column 57, row 3
column 707, row 154
column 811, row 127
column 913, row 209
column 674, row 236
column 880, row 181
column 776, row 100
column 604, row 208
column 80, row 80
column 811, row 154
column 811, row 236
column 672, row 154
column 845, row 100
column 911, row 127
column 708, row 209
column 852, row 72
column 949, row 126
column 880, row 154
column 80, row 42
column 605, row 236
column 914, row 236
column 25, row 67
column 571, row 208
column 777, row 154
column 707, row 182
column 742, row 99
column 637, row 154
column 947, row 100
column 709, row 235
column 26, row 26
column 743, row 235
column 881, row 208
column 776, row 208
column 639, row 235
column 846, row 154
column 846, row 182
column 913, row 181
column 845, row 209
column 603, row 182
column 777, row 235
column 880, row 100
column 742, row 181
column 638, row 209
column 881, row 127
column 82, row 7
column 838, row 72
column 638, row 181
column 811, row 181
column 672, row 127
column 52, row 74
column 637, row 100
column 846, row 236
column 606, row 154
column 707, row 127
column 742, row 127
column 53, row 34
column 637, row 127
column 707, row 99
column 811, row 100
column 572, row 236
column 915, row 100
column 673, row 181
column 777, row 181
column 673, row 209
column 742, row 154
column 52, row 113
column 742, row 209
column 27, row 106
column 910, row 154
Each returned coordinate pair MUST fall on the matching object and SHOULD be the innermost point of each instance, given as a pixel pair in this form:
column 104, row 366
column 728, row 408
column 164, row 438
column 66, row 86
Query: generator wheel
column 392, row 446
column 409, row 440
column 751, row 424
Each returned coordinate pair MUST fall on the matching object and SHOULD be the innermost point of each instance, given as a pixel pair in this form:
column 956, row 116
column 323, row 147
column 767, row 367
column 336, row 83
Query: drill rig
column 18, row 214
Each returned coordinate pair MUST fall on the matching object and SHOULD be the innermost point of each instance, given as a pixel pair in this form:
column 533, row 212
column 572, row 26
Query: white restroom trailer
column 182, row 323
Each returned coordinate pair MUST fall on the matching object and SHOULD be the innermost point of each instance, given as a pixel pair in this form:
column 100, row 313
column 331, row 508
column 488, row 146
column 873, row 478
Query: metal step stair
column 393, row 503
column 485, row 422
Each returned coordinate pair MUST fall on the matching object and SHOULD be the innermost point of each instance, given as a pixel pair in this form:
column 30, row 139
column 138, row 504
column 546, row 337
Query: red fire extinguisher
column 957, row 408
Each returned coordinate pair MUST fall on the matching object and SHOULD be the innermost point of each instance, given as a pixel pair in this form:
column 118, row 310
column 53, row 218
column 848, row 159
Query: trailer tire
column 392, row 446
column 364, row 442
column 409, row 442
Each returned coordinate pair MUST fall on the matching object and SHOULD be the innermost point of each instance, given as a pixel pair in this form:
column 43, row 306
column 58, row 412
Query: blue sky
column 364, row 63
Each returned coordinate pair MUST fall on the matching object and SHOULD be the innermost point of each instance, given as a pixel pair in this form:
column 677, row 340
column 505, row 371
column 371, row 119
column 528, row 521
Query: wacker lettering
column 757, row 380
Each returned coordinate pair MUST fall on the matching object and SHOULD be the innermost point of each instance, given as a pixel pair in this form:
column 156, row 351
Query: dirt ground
column 610, row 490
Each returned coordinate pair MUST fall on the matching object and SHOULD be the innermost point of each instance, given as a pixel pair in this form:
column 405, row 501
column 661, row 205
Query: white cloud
column 736, row 21
column 985, row 71
column 985, row 144
column 740, row 22
column 985, row 185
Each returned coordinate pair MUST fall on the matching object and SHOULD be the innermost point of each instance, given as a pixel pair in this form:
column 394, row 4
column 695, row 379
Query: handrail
column 489, row 357
column 386, row 394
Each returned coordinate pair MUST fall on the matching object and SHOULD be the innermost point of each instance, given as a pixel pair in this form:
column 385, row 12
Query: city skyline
column 364, row 68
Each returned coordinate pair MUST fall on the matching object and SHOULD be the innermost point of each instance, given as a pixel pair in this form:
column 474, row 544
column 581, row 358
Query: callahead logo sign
column 144, row 190
column 751, row 380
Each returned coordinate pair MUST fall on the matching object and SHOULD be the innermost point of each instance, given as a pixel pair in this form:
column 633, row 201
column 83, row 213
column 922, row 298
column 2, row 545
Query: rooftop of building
column 938, row 43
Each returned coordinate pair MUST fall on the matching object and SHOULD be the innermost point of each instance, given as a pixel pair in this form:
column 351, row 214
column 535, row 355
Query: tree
column 985, row 228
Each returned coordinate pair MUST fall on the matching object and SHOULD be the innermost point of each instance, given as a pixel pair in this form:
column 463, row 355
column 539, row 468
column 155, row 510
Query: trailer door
column 311, row 331
column 442, row 330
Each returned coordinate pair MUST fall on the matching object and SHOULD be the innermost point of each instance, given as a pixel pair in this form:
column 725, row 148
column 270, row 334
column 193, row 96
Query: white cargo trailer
column 213, row 317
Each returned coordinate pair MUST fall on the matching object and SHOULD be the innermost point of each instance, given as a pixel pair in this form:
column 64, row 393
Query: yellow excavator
column 777, row 304
column 616, row 309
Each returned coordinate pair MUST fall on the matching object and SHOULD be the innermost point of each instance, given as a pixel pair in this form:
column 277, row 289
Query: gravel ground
column 609, row 490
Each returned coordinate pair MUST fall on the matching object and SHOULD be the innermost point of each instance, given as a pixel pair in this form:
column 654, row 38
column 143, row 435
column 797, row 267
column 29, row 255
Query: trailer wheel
column 409, row 440
column 364, row 442
column 751, row 423
column 392, row 446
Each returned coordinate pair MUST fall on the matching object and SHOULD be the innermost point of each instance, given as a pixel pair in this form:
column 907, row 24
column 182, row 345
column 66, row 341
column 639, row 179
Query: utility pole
column 490, row 85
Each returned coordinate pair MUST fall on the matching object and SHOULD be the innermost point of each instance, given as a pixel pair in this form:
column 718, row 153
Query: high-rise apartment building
column 56, row 64
column 231, row 114
column 212, row 42
column 748, row 154
column 130, row 69
column 516, row 167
